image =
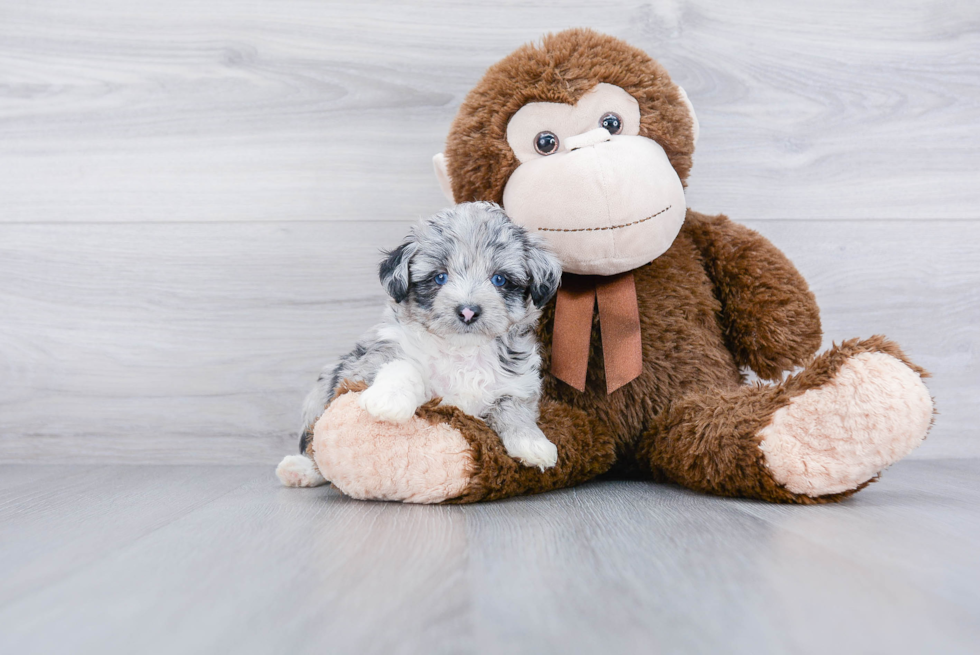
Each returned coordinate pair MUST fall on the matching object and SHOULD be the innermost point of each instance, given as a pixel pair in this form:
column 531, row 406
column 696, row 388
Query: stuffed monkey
column 587, row 141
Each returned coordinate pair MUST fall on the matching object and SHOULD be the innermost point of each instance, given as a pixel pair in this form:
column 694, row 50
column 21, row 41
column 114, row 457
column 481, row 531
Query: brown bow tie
column 619, row 324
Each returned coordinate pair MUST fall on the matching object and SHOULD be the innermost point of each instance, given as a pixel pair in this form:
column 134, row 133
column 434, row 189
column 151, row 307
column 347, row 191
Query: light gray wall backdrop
column 193, row 193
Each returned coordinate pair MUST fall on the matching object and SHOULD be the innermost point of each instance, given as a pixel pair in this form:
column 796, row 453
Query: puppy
column 466, row 289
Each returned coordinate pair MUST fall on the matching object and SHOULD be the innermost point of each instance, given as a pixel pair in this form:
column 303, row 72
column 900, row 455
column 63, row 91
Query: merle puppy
column 466, row 287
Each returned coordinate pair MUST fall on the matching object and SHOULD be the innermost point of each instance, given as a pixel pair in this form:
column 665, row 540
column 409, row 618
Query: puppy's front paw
column 298, row 471
column 389, row 403
column 532, row 449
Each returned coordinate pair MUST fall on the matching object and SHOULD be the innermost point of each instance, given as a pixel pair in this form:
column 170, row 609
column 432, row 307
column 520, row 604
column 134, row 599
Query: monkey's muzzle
column 606, row 205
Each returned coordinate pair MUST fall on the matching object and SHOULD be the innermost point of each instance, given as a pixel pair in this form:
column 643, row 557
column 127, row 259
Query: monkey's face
column 582, row 138
column 606, row 198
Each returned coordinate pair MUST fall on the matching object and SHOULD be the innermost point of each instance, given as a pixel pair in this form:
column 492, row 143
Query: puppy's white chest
column 468, row 379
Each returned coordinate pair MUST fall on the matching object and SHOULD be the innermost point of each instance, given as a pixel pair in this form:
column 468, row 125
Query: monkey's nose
column 586, row 139
column 468, row 313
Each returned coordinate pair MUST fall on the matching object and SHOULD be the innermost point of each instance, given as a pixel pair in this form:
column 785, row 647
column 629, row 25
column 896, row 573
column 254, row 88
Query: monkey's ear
column 442, row 174
column 690, row 110
column 544, row 270
column 393, row 271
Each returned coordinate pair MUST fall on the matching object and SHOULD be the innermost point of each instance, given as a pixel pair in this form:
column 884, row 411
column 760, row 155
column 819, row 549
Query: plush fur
column 561, row 69
column 720, row 299
column 874, row 396
column 407, row 462
column 444, row 454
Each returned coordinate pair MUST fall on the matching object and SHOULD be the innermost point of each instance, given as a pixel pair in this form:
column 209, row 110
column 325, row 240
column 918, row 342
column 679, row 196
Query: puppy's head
column 470, row 271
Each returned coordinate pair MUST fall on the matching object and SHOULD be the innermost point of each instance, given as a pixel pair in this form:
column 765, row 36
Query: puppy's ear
column 393, row 271
column 544, row 270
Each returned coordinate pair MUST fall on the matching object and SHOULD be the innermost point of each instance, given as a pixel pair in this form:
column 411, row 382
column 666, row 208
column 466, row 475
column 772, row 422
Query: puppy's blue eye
column 441, row 278
column 498, row 280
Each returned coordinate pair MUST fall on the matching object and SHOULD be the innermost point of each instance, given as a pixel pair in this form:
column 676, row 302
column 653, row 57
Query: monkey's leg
column 816, row 437
column 444, row 455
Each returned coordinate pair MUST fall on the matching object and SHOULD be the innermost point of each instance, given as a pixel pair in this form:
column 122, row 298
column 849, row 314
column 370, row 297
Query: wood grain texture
column 197, row 342
column 192, row 195
column 204, row 559
column 47, row 526
column 199, row 336
column 291, row 110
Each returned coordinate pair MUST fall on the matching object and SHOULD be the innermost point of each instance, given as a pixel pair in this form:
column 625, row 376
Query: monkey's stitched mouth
column 608, row 227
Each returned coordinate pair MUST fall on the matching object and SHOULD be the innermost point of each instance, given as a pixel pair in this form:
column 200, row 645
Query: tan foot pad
column 831, row 439
column 414, row 462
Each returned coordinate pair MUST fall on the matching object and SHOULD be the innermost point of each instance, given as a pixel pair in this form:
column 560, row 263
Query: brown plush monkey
column 586, row 140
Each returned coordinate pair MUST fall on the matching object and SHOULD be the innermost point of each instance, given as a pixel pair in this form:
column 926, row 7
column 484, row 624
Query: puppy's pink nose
column 468, row 313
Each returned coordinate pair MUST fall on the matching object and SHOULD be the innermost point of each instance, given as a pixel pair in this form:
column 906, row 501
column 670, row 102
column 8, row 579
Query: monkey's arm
column 769, row 315
column 585, row 449
column 444, row 455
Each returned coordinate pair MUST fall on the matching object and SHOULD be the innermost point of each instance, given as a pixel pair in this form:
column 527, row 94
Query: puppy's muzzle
column 468, row 313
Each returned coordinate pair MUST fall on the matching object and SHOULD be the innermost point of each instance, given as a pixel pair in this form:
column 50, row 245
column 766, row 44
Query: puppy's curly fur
column 466, row 289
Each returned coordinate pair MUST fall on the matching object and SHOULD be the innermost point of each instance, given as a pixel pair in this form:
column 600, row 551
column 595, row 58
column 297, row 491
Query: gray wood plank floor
column 204, row 559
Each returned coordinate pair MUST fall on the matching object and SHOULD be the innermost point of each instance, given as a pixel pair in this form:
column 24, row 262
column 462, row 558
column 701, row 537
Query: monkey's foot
column 415, row 461
column 871, row 412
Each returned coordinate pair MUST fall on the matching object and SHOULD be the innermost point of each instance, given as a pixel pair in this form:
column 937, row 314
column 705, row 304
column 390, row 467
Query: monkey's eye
column 546, row 143
column 441, row 279
column 498, row 280
column 612, row 122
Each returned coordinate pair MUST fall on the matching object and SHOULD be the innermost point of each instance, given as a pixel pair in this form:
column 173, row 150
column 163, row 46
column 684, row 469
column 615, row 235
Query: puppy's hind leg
column 299, row 471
